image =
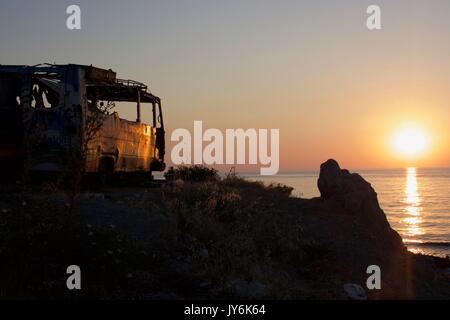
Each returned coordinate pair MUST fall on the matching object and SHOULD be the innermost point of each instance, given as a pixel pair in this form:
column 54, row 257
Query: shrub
column 192, row 173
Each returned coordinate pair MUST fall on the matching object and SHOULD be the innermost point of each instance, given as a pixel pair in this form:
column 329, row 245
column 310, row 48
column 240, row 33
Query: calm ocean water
column 416, row 202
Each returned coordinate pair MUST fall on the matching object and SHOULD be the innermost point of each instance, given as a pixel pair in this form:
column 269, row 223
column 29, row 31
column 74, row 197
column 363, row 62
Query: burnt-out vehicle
column 49, row 112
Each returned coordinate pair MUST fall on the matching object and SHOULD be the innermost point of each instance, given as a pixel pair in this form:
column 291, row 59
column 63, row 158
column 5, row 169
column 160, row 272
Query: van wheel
column 106, row 170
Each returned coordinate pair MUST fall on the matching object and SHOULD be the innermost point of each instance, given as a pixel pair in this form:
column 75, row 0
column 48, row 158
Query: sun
column 410, row 142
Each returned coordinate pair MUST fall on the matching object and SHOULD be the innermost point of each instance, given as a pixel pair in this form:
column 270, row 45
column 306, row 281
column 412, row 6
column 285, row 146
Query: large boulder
column 353, row 194
column 359, row 233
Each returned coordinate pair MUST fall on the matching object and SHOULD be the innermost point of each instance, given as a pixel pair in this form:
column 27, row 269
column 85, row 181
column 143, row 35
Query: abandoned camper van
column 48, row 112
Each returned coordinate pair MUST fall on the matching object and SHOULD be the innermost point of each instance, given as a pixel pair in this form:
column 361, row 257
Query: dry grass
column 246, row 233
column 217, row 231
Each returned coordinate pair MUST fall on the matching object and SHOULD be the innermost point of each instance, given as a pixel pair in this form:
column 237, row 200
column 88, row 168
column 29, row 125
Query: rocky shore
column 213, row 239
column 366, row 238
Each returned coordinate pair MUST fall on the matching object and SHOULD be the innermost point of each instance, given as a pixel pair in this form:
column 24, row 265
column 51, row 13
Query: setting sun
column 410, row 142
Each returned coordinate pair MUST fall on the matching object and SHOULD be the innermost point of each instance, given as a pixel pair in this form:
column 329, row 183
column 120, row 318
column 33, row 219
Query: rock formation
column 355, row 196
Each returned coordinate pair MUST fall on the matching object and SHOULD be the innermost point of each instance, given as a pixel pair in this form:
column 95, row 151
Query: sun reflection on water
column 412, row 209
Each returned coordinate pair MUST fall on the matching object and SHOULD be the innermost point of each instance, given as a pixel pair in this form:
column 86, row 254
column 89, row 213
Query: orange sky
column 310, row 69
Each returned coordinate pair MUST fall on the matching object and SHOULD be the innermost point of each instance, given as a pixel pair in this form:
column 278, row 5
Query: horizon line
column 355, row 170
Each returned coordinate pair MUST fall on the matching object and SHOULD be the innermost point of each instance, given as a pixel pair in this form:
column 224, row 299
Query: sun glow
column 410, row 142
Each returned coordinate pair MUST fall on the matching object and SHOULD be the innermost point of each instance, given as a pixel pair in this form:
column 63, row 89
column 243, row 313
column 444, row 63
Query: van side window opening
column 44, row 97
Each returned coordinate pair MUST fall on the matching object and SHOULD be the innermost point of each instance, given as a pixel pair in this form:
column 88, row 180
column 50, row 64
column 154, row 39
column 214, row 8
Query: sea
column 416, row 202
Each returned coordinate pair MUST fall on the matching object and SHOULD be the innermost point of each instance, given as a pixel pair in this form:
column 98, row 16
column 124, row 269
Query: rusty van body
column 45, row 112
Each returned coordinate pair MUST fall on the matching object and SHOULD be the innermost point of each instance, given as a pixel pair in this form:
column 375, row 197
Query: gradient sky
column 311, row 69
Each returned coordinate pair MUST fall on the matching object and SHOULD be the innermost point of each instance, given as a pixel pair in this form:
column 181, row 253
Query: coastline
column 426, row 234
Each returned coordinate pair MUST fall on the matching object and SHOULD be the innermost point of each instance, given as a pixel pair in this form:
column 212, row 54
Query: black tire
column 106, row 170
